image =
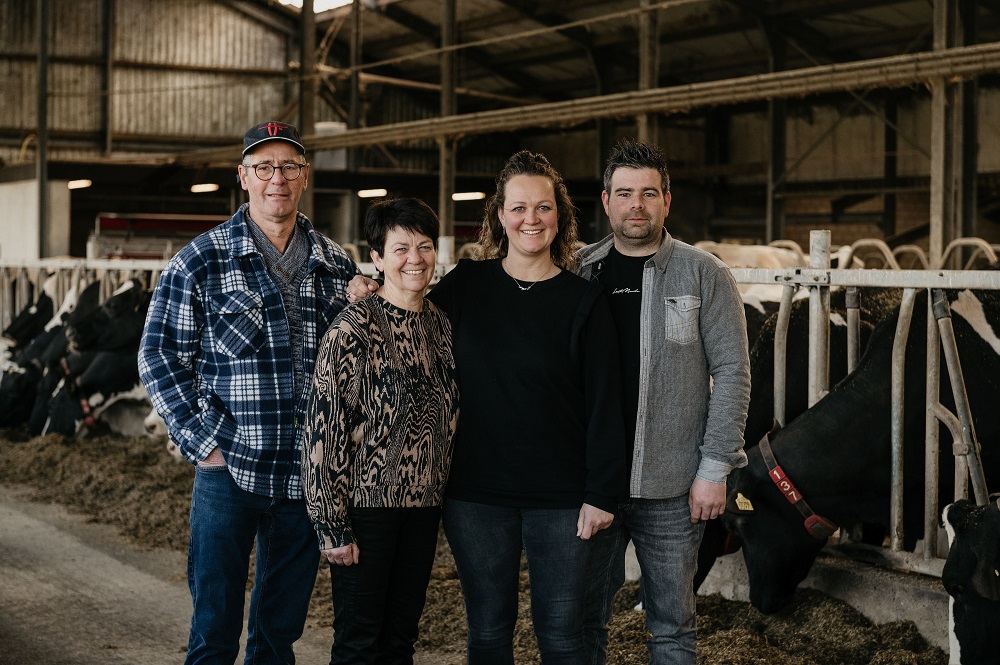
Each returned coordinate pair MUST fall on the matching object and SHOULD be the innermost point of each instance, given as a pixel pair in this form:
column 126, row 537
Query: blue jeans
column 666, row 545
column 224, row 522
column 377, row 602
column 486, row 542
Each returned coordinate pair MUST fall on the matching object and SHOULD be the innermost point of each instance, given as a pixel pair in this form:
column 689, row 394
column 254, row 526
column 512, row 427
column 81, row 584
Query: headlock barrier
column 21, row 282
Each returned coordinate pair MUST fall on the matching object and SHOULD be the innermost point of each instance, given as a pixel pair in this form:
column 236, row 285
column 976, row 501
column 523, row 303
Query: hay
column 136, row 486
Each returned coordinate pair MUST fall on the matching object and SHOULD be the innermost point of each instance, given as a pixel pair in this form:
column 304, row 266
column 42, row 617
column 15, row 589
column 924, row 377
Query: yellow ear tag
column 743, row 503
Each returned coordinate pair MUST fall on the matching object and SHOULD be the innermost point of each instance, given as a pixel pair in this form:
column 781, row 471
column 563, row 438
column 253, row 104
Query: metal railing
column 70, row 274
column 820, row 279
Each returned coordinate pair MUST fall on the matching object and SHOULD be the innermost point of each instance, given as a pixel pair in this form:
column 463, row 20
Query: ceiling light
column 204, row 187
column 318, row 5
column 372, row 193
column 468, row 196
column 78, row 184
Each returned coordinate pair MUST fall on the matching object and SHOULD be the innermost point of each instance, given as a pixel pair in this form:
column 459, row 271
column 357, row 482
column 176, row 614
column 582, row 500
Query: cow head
column 29, row 322
column 972, row 577
column 777, row 549
column 116, row 324
column 973, row 565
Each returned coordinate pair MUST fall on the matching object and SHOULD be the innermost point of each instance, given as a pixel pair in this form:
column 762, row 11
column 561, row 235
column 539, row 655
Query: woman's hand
column 592, row 520
column 342, row 556
column 360, row 287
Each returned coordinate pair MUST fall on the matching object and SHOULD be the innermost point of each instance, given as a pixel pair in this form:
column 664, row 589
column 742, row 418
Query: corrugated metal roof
column 188, row 71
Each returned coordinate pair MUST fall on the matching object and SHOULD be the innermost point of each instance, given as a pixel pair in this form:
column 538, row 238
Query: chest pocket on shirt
column 682, row 318
column 239, row 323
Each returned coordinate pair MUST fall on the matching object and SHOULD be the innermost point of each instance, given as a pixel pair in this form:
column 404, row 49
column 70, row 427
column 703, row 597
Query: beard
column 636, row 231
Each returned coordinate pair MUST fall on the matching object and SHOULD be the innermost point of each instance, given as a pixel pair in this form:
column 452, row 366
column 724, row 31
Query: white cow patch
column 66, row 308
column 123, row 288
column 755, row 295
column 154, row 424
column 837, row 319
column 5, row 355
column 157, row 428
column 954, row 647
column 971, row 309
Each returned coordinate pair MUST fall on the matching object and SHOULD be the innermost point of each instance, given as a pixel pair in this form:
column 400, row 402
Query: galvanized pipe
column 23, row 297
column 6, row 299
column 781, row 351
column 978, row 244
column 932, row 438
column 819, row 319
column 920, row 279
column 898, row 374
column 852, row 301
column 969, row 444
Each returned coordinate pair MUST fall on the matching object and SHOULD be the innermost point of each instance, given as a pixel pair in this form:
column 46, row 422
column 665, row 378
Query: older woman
column 383, row 409
column 539, row 453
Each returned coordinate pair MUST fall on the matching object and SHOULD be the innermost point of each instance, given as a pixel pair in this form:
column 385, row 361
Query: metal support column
column 354, row 121
column 774, row 224
column 107, row 102
column 307, row 88
column 649, row 68
column 969, row 92
column 890, row 165
column 946, row 158
column 42, row 159
column 446, row 145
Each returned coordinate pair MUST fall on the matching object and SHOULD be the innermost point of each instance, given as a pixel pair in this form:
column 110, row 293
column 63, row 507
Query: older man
column 226, row 356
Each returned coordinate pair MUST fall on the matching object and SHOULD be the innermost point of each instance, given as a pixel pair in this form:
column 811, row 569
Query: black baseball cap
column 272, row 131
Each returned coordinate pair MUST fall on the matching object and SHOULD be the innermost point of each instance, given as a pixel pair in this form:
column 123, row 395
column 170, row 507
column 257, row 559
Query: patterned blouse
column 382, row 413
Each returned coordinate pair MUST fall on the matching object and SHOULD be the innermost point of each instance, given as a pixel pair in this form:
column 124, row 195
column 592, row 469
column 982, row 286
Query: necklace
column 517, row 282
column 521, row 286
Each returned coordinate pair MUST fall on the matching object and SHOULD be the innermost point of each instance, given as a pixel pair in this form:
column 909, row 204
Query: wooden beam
column 891, row 72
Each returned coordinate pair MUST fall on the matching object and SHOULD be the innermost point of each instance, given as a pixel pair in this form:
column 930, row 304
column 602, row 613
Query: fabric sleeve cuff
column 334, row 535
column 712, row 471
column 605, row 503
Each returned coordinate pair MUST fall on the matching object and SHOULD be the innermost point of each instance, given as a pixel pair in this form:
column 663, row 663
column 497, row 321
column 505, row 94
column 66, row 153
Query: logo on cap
column 273, row 128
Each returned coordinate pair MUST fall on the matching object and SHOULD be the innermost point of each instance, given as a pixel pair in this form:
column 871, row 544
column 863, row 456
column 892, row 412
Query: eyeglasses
column 289, row 171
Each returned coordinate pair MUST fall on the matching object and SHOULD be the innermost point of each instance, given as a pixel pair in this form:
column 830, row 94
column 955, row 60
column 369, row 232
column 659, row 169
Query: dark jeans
column 666, row 545
column 377, row 602
column 486, row 542
column 224, row 522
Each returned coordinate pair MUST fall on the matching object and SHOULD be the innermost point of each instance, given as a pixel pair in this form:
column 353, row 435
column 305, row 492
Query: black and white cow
column 47, row 360
column 837, row 454
column 109, row 336
column 28, row 323
column 116, row 325
column 972, row 578
column 78, row 397
column 22, row 379
column 875, row 304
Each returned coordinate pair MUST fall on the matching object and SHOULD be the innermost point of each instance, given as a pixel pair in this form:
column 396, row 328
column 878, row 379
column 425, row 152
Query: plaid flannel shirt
column 215, row 354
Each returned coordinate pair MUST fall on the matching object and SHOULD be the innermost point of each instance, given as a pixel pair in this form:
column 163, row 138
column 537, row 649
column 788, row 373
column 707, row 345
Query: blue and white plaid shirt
column 215, row 354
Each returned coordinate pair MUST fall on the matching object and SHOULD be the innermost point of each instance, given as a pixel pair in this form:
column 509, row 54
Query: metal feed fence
column 818, row 279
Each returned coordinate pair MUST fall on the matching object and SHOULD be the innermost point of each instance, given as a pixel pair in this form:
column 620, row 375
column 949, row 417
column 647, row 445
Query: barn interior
column 121, row 124
column 873, row 118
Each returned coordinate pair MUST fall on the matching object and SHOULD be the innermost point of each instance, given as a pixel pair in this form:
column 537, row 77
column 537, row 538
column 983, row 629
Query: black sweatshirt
column 540, row 390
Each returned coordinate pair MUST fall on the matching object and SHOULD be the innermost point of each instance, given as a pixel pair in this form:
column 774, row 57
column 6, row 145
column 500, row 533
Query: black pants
column 378, row 601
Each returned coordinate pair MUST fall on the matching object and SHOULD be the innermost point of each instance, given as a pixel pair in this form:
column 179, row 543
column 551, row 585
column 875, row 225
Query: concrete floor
column 76, row 593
